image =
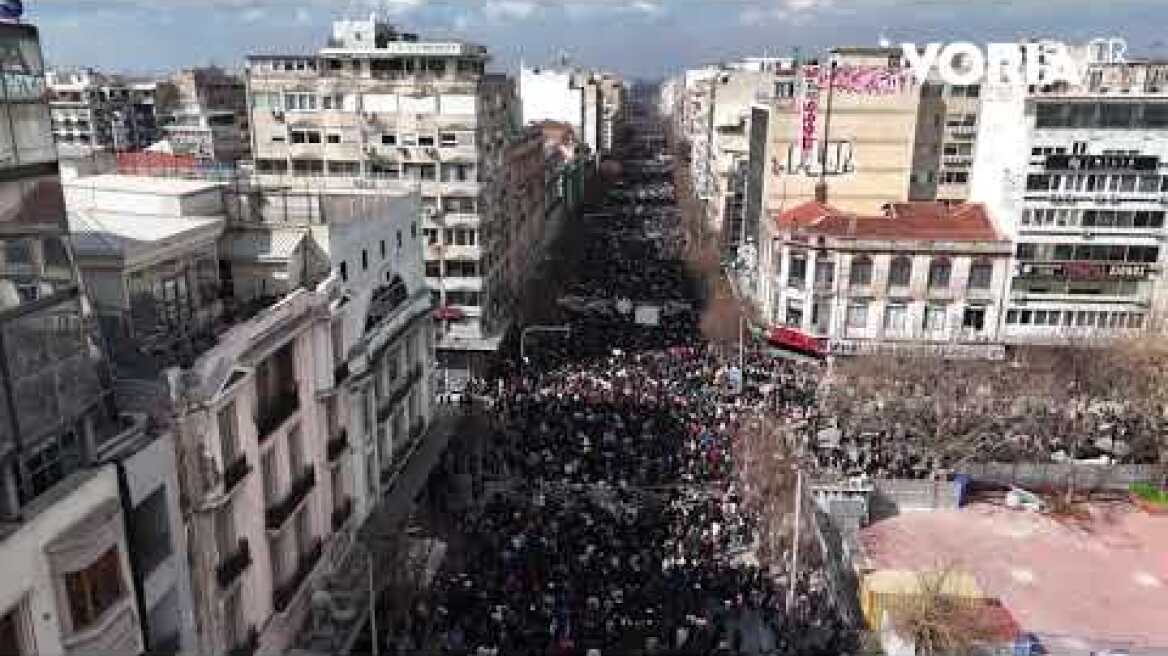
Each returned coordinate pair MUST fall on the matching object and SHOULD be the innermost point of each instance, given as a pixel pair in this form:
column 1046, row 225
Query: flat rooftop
column 1078, row 584
column 142, row 184
column 107, row 233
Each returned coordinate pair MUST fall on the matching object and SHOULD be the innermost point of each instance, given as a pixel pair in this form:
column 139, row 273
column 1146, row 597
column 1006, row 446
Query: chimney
column 821, row 192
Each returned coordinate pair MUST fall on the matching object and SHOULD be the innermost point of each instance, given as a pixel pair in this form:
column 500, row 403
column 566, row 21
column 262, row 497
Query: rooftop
column 99, row 233
column 926, row 221
column 1099, row 582
column 140, row 184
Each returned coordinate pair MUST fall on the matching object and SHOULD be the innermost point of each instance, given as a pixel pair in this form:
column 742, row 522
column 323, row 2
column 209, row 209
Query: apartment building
column 592, row 102
column 93, row 558
column 1078, row 178
column 93, row 110
column 382, row 109
column 206, row 115
column 286, row 337
column 945, row 138
column 915, row 273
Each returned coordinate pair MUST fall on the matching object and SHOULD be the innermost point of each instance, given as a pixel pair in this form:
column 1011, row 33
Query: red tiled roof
column 925, row 221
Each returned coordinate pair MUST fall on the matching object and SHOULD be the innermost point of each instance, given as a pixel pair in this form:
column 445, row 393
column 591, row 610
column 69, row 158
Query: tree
column 949, row 411
column 940, row 622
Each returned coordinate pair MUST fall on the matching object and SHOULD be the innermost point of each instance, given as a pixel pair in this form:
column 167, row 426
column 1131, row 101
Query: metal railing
column 342, row 513
column 337, row 445
column 235, row 473
column 231, row 567
column 275, row 516
column 284, row 594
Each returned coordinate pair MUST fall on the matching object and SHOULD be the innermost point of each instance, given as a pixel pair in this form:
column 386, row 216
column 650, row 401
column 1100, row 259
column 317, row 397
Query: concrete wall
column 1057, row 475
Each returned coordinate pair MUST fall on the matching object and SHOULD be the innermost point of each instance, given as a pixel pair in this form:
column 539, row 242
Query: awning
column 447, row 313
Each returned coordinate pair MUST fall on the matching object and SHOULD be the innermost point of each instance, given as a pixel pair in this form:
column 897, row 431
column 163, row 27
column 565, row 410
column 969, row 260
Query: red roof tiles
column 922, row 221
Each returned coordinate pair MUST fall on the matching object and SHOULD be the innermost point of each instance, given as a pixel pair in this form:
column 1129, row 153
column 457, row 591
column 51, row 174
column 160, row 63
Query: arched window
column 861, row 275
column 900, row 271
column 981, row 274
column 939, row 273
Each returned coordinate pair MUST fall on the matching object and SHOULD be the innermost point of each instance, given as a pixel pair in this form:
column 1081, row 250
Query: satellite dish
column 11, row 9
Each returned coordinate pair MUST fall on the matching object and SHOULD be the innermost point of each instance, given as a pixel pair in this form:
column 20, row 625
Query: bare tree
column 940, row 622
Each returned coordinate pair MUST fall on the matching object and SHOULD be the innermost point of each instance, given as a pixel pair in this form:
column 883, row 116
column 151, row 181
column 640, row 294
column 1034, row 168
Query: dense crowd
column 621, row 528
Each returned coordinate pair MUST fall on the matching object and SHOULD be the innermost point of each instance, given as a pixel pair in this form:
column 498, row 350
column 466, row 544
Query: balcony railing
column 337, row 445
column 284, row 594
column 341, row 373
column 401, row 388
column 235, row 473
column 231, row 567
column 274, row 413
column 250, row 643
column 275, row 516
column 342, row 513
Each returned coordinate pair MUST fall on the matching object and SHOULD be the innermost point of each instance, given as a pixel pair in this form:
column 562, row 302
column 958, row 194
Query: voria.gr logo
column 1002, row 64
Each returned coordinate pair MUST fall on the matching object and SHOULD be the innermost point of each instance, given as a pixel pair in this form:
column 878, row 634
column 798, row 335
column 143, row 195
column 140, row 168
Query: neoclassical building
column 917, row 272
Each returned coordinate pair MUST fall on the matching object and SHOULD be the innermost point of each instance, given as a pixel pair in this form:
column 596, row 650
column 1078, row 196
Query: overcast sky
column 639, row 38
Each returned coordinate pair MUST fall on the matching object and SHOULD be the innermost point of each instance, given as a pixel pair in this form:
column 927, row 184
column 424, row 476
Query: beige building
column 914, row 273
column 381, row 109
column 871, row 131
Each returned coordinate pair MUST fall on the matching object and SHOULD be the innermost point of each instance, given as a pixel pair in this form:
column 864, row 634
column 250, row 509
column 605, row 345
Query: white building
column 1077, row 178
column 550, row 94
column 918, row 273
column 93, row 110
column 286, row 337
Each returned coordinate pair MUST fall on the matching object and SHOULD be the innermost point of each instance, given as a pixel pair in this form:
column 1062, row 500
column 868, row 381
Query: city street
column 618, row 525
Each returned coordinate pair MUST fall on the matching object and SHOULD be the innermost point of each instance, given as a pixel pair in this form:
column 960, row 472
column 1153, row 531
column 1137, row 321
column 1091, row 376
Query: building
column 592, row 102
column 286, row 339
column 945, row 138
column 918, row 272
column 206, row 116
column 1076, row 176
column 91, row 562
column 93, row 110
column 379, row 108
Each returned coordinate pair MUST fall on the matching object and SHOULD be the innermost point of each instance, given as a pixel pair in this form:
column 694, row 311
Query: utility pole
column 821, row 187
column 373, row 636
column 795, row 545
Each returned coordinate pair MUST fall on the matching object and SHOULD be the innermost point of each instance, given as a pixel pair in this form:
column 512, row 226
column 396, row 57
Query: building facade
column 206, row 115
column 93, row 110
column 917, row 273
column 1078, row 178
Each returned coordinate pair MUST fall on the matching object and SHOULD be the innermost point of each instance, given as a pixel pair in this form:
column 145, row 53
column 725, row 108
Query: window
column 981, row 274
column 15, row 633
column 399, row 240
column 364, row 259
column 935, row 318
column 344, row 271
column 431, row 236
column 383, row 248
column 974, row 318
column 895, row 318
column 413, row 230
column 426, row 141
column 900, row 271
column 389, row 140
column 94, row 590
column 151, row 534
column 334, row 138
column 858, row 315
column 433, row 269
column 939, row 270
column 448, row 139
column 824, row 273
column 797, row 275
column 300, row 102
column 861, row 275
column 52, row 460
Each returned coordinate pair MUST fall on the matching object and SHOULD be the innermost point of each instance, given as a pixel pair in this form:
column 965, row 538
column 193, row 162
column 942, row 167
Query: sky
column 642, row 39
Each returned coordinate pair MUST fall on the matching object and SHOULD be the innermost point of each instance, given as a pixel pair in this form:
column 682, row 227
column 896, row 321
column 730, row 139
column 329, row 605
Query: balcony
column 337, row 445
column 235, row 473
column 275, row 412
column 342, row 513
column 277, row 515
column 403, row 387
column 231, row 567
column 250, row 643
column 341, row 373
column 284, row 594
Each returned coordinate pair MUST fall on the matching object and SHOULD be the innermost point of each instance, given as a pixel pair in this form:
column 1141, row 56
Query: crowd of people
column 620, row 527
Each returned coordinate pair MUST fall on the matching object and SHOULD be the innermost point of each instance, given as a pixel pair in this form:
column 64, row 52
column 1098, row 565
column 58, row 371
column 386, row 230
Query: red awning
column 447, row 313
column 791, row 338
